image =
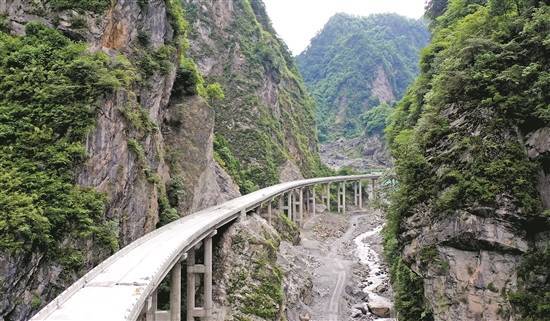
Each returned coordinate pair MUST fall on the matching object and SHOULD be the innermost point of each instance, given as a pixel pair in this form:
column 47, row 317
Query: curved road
column 118, row 287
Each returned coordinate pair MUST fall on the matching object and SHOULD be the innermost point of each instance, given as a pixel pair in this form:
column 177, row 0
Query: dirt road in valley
column 345, row 257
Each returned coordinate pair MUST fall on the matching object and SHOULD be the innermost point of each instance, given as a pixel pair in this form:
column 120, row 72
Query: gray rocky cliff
column 136, row 155
column 471, row 259
column 267, row 116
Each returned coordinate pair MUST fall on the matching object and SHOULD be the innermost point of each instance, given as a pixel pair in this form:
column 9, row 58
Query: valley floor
column 344, row 255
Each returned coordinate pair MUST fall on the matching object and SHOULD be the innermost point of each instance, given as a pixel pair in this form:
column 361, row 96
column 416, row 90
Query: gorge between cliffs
column 395, row 169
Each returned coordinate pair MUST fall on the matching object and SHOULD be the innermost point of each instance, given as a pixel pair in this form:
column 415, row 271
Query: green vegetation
column 97, row 6
column 226, row 159
column 256, row 289
column 48, row 97
column 484, row 82
column 265, row 111
column 375, row 119
column 533, row 301
column 344, row 60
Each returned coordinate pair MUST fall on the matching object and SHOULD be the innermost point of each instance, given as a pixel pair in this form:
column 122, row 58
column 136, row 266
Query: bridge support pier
column 289, row 205
column 371, row 190
column 356, row 194
column 175, row 292
column 193, row 269
column 326, row 197
column 342, row 198
column 151, row 307
column 269, row 210
column 300, row 206
column 360, row 194
column 312, row 201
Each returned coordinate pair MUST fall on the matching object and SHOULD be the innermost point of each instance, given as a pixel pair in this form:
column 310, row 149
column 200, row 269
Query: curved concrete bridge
column 124, row 287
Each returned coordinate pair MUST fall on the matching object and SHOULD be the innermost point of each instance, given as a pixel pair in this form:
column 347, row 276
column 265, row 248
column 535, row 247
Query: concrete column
column 301, row 206
column 242, row 217
column 373, row 189
column 328, row 196
column 208, row 278
column 282, row 203
column 360, row 195
column 289, row 209
column 355, row 194
column 339, row 203
column 313, row 202
column 151, row 308
column 344, row 197
column 269, row 211
column 175, row 292
column 307, row 199
column 190, row 284
column 370, row 191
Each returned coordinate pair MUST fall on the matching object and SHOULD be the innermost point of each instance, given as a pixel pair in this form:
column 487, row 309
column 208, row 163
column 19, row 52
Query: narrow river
column 371, row 259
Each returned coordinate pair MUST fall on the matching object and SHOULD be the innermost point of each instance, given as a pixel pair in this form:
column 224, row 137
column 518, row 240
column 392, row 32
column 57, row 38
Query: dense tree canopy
column 343, row 61
column 49, row 89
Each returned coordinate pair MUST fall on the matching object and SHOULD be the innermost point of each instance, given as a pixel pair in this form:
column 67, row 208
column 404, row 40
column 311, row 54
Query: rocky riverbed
column 343, row 256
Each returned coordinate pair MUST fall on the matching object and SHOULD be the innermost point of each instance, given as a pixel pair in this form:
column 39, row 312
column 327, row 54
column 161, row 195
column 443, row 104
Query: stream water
column 370, row 258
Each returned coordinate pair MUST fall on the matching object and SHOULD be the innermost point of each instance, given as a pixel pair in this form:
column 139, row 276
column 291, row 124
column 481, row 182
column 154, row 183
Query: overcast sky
column 297, row 21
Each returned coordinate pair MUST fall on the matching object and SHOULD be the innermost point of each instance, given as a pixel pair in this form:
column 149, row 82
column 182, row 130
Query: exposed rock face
column 253, row 278
column 381, row 87
column 189, row 132
column 170, row 162
column 469, row 259
column 267, row 117
column 360, row 153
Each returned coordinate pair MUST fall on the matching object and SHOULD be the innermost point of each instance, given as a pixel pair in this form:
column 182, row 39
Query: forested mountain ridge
column 469, row 229
column 108, row 129
column 356, row 63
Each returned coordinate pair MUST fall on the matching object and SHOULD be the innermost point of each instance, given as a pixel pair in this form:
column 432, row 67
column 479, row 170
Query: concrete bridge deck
column 121, row 287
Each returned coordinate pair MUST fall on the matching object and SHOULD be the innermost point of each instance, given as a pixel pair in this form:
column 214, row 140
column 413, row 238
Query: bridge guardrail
column 117, row 289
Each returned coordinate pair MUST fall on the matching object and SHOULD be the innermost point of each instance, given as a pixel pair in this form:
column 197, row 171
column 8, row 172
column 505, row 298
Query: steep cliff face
column 114, row 130
column 468, row 227
column 356, row 68
column 266, row 120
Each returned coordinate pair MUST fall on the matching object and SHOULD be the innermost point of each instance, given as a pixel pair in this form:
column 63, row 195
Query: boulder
column 380, row 307
column 356, row 313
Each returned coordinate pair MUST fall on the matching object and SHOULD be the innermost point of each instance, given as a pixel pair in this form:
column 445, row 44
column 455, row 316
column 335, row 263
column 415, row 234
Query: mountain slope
column 108, row 129
column 266, row 120
column 468, row 232
column 356, row 63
